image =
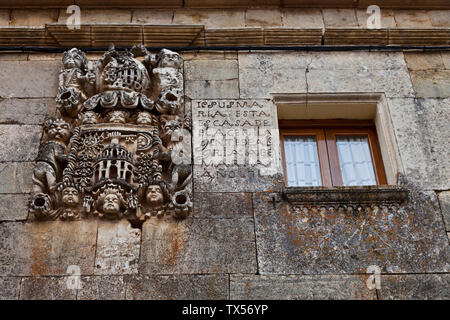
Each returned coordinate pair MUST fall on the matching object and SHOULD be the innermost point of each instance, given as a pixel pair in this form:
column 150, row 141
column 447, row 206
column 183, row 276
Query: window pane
column 302, row 161
column 355, row 161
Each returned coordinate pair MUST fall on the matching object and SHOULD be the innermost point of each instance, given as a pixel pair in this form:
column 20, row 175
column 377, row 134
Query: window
column 331, row 153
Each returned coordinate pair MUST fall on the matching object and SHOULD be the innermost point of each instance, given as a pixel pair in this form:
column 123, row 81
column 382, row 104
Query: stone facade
column 246, row 235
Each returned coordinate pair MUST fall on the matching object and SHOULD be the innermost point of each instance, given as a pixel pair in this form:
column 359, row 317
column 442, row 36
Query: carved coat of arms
column 120, row 146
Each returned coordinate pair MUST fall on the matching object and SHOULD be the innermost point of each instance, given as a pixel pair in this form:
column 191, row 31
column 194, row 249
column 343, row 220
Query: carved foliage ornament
column 120, row 146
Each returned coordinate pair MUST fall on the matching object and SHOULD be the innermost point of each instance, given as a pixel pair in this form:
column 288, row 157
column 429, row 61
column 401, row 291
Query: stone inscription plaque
column 236, row 146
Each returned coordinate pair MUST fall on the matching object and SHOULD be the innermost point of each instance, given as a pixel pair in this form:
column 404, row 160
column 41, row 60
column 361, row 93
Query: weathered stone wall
column 239, row 242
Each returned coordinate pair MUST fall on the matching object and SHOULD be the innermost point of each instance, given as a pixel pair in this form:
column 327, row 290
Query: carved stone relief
column 121, row 144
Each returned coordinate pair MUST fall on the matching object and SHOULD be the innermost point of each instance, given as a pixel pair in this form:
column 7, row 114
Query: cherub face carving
column 89, row 117
column 111, row 204
column 171, row 126
column 144, row 118
column 73, row 58
column 169, row 59
column 70, row 196
column 58, row 129
column 117, row 116
column 154, row 195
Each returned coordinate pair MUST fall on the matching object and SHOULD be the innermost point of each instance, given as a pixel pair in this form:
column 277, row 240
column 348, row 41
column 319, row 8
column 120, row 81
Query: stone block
column 33, row 17
column 420, row 127
column 118, row 247
column 29, row 79
column 26, row 111
column 263, row 18
column 412, row 19
column 197, row 246
column 439, row 18
column 5, row 16
column 9, row 288
column 424, row 61
column 236, row 146
column 46, row 288
column 211, row 70
column 19, row 142
column 47, row 248
column 302, row 287
column 446, row 59
column 444, row 201
column 13, row 56
column 387, row 18
column 263, row 74
column 293, row 239
column 207, row 89
column 339, row 18
column 13, row 207
column 211, row 18
column 100, row 16
column 214, row 205
column 101, row 288
column 415, row 287
column 44, row 56
column 15, row 177
column 177, row 287
column 302, row 18
column 147, row 16
column 431, row 83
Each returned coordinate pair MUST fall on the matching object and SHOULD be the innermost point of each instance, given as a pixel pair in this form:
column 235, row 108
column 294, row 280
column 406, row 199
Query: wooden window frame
column 325, row 132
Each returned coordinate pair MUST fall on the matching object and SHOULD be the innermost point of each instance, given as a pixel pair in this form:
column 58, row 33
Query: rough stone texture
column 339, row 18
column 33, row 17
column 262, row 74
column 13, row 207
column 222, row 205
column 446, row 59
column 415, row 287
column 431, row 83
column 412, row 19
column 5, row 16
column 43, row 56
column 423, row 61
column 207, row 89
column 439, row 18
column 179, row 287
column 46, row 288
column 421, row 129
column 297, row 242
column 210, row 18
column 100, row 16
column 47, row 248
column 13, row 56
column 16, row 177
column 146, row 16
column 9, row 288
column 387, row 18
column 26, row 111
column 444, row 201
column 19, row 142
column 101, row 288
column 263, row 18
column 18, row 80
column 211, row 70
column 302, row 18
column 277, row 287
column 198, row 246
column 118, row 247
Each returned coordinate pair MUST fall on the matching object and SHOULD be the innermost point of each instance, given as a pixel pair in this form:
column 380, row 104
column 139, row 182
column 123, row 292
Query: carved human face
column 73, row 60
column 70, row 197
column 144, row 118
column 170, row 60
column 117, row 117
column 154, row 195
column 170, row 127
column 59, row 130
column 89, row 117
column 111, row 204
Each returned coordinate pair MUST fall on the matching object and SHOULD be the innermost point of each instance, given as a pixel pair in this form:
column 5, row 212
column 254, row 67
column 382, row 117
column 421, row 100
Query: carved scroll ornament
column 120, row 146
